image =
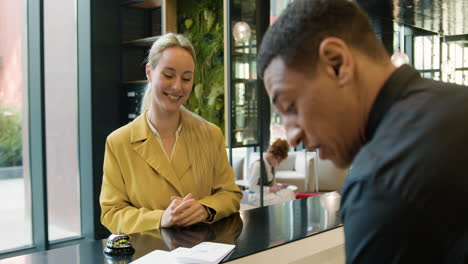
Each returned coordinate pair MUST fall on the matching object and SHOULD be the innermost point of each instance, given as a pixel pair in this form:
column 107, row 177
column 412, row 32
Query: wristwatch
column 211, row 214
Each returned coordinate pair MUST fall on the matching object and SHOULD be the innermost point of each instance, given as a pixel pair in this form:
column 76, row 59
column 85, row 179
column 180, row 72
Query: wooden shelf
column 143, row 42
column 132, row 82
column 238, row 80
column 240, row 145
column 146, row 4
column 240, row 47
column 244, row 56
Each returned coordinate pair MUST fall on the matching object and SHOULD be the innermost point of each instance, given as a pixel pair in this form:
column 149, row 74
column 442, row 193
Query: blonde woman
column 169, row 166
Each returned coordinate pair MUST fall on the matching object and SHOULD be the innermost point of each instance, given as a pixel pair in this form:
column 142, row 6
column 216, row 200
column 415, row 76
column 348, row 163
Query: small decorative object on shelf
column 241, row 31
column 141, row 24
column 119, row 245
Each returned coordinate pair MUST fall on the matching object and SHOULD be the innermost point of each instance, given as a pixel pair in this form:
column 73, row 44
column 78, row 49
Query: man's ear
column 337, row 58
column 148, row 72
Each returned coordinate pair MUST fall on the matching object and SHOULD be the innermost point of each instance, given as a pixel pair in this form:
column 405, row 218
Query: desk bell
column 119, row 245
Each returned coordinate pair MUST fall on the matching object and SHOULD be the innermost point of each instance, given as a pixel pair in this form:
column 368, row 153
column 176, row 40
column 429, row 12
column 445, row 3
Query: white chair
column 238, row 167
column 306, row 172
column 238, row 156
column 326, row 176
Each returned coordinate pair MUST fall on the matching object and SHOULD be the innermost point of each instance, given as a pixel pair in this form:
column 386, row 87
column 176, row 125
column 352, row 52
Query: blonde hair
column 199, row 141
column 166, row 41
column 194, row 128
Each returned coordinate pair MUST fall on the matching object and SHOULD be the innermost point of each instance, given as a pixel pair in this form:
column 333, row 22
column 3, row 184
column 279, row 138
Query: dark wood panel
column 133, row 22
column 106, row 98
column 133, row 63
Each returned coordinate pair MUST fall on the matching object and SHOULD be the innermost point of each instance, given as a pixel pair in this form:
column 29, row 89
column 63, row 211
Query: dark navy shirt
column 405, row 199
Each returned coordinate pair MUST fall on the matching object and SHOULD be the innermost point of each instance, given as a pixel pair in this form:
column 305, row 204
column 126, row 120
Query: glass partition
column 244, row 90
column 427, row 56
column 455, row 63
column 442, row 58
column 15, row 206
column 61, row 119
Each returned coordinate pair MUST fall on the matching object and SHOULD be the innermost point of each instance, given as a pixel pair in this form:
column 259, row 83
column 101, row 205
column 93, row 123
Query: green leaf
column 188, row 23
column 198, row 90
column 207, row 36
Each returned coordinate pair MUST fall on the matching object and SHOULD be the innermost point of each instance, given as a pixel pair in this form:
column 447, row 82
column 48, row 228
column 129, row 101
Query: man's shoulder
column 424, row 121
column 428, row 96
column 419, row 145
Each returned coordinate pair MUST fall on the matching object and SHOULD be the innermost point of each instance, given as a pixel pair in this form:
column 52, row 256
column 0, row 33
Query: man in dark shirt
column 405, row 199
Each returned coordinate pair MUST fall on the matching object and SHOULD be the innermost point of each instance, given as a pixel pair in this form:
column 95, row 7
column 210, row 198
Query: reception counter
column 293, row 232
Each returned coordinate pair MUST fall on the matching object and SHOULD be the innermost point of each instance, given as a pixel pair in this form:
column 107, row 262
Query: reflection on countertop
column 224, row 231
column 252, row 231
column 274, row 225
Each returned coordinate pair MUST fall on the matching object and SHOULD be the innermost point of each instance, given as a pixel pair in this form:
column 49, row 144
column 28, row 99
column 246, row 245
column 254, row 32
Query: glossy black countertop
column 252, row 231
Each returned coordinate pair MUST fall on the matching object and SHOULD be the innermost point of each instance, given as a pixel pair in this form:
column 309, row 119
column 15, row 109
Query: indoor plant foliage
column 202, row 22
column 10, row 137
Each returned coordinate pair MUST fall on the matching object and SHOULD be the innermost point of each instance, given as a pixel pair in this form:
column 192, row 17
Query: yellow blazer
column 139, row 180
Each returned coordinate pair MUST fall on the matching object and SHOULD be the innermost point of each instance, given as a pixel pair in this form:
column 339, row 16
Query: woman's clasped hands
column 184, row 212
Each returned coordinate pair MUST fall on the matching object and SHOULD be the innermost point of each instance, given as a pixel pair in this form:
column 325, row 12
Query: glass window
column 465, row 78
column 60, row 69
column 427, row 57
column 457, row 54
column 428, row 51
column 444, row 77
column 15, row 207
column 427, row 75
column 465, row 55
column 418, row 53
column 276, row 126
column 436, row 52
column 458, row 49
column 276, row 7
column 459, row 77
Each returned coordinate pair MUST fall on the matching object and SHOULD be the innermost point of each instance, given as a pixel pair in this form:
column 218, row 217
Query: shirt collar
column 153, row 129
column 392, row 89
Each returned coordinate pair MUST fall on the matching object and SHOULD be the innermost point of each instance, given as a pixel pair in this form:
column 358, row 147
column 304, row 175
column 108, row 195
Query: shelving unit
column 142, row 23
column 249, row 107
column 148, row 4
column 244, row 94
column 112, row 74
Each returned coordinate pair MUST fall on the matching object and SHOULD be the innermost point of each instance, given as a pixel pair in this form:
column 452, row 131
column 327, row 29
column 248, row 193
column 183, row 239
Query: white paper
column 203, row 253
column 157, row 256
